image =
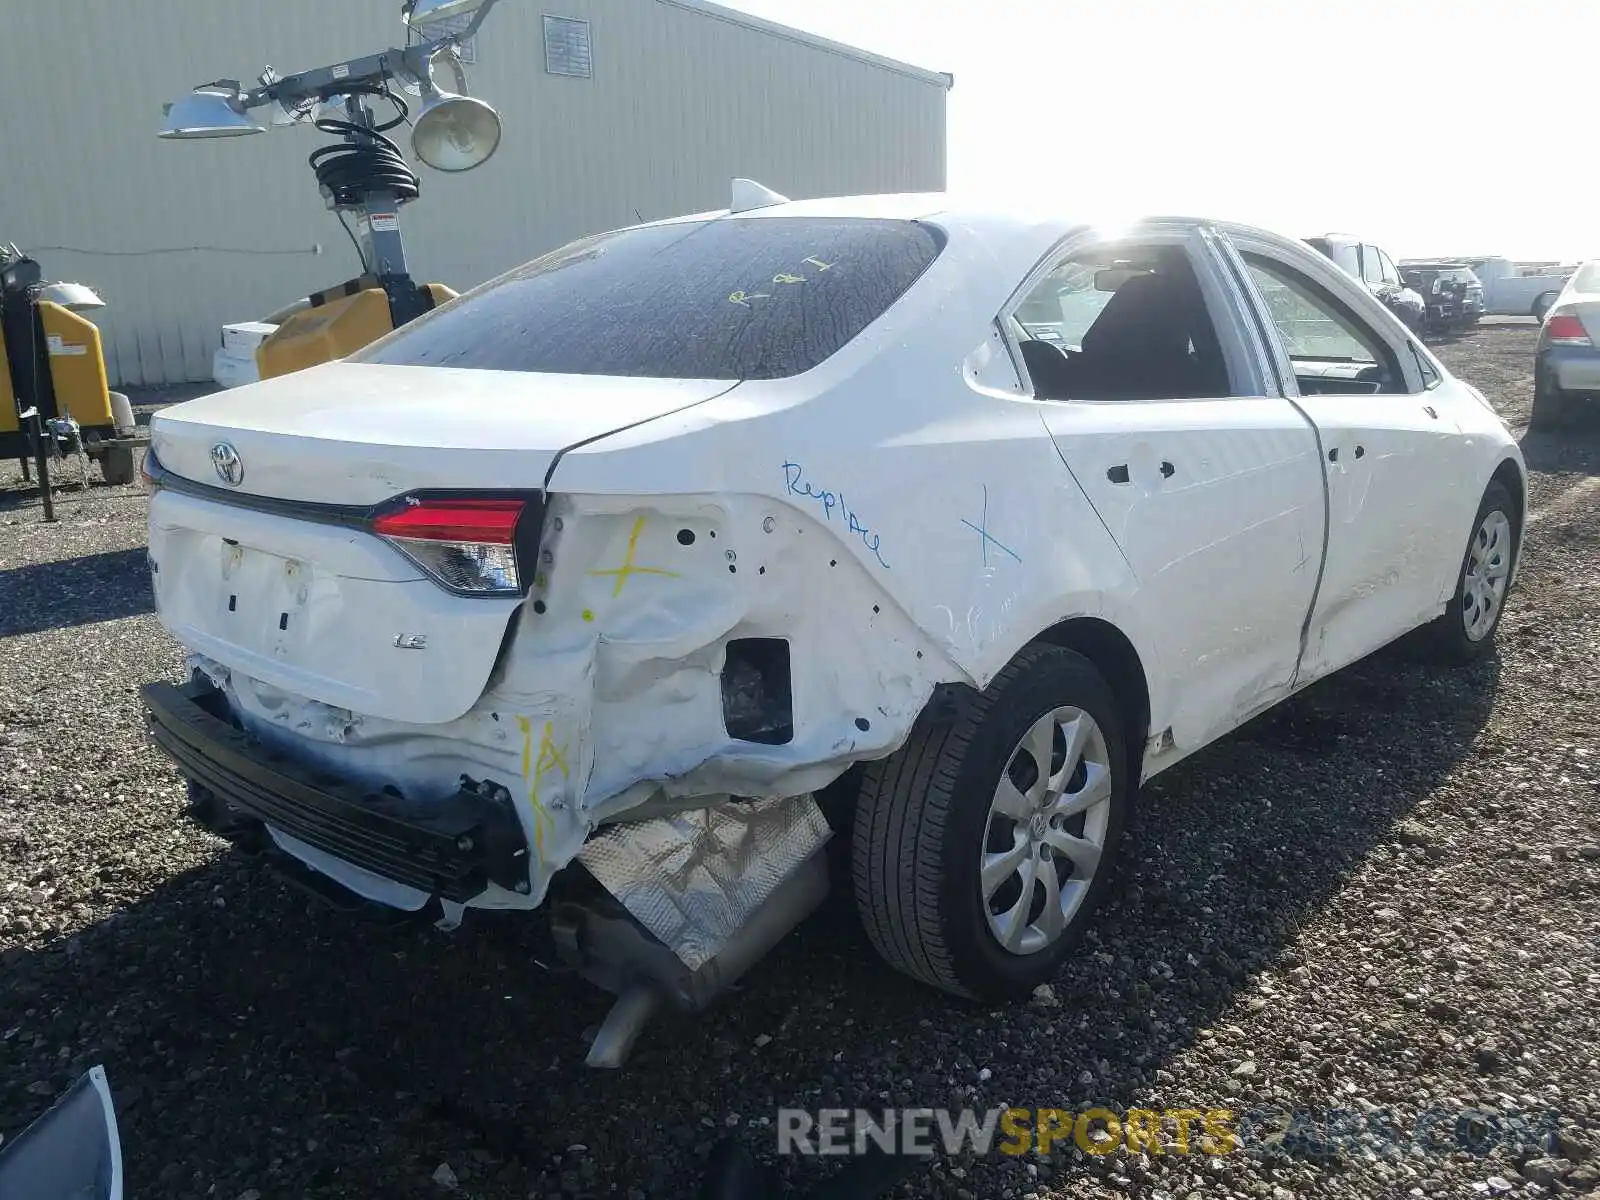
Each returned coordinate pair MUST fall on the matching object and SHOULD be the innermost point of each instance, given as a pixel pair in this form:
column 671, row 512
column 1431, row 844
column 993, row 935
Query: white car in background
column 1566, row 369
column 578, row 592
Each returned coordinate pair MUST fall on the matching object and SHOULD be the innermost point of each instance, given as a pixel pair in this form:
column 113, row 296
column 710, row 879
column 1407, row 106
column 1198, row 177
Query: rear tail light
column 150, row 469
column 466, row 545
column 1565, row 329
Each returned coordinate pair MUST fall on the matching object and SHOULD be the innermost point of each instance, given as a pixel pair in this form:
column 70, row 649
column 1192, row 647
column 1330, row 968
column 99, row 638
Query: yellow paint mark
column 819, row 264
column 744, row 298
column 785, row 277
column 588, row 614
column 628, row 567
column 550, row 757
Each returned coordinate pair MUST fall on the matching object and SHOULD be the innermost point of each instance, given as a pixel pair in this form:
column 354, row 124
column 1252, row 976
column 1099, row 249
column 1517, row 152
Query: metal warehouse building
column 624, row 110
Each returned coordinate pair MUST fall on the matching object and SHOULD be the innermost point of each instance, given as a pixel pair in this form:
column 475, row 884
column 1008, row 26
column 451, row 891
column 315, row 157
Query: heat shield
column 693, row 879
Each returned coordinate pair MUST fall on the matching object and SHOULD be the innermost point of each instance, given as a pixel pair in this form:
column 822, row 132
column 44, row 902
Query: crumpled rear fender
column 638, row 636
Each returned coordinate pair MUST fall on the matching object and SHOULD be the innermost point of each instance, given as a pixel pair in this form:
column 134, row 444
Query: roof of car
column 979, row 213
column 1015, row 230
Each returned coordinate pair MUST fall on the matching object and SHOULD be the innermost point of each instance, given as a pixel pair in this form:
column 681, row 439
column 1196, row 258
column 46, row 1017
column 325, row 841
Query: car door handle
column 1360, row 450
column 1118, row 473
column 1167, row 469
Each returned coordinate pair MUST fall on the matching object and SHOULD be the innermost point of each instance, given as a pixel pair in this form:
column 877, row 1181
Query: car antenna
column 748, row 194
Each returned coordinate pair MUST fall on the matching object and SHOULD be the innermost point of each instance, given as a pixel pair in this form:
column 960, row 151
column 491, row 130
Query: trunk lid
column 359, row 433
column 311, row 603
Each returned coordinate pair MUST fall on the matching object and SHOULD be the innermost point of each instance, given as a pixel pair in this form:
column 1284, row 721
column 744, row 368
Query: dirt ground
column 1382, row 897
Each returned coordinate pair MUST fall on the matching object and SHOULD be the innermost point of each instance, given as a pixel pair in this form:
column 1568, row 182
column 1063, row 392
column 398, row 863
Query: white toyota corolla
column 613, row 587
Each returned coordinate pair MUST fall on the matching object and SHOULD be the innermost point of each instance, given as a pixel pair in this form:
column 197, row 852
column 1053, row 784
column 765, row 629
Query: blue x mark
column 986, row 539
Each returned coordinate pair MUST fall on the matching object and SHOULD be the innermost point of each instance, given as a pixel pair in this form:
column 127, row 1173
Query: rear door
column 1212, row 491
column 1394, row 458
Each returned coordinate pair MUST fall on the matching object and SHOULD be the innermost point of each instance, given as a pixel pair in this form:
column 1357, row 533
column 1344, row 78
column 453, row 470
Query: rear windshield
column 1588, row 279
column 760, row 298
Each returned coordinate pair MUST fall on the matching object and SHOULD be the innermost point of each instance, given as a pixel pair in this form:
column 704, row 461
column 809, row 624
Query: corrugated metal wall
column 180, row 237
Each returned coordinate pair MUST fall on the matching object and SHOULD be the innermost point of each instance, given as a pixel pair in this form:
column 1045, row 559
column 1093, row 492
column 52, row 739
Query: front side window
column 1121, row 322
column 734, row 299
column 1390, row 273
column 1332, row 350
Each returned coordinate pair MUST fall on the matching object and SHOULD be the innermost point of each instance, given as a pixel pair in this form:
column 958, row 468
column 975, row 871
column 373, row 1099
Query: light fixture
column 208, row 112
column 421, row 12
column 72, row 296
column 455, row 133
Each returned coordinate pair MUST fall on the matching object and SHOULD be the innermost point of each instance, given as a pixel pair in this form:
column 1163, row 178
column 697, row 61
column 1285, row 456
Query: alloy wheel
column 1046, row 830
column 1483, row 587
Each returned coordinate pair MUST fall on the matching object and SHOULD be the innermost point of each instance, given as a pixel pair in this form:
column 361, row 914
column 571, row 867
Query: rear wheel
column 1465, row 631
column 1542, row 306
column 117, row 466
column 1549, row 402
column 981, row 848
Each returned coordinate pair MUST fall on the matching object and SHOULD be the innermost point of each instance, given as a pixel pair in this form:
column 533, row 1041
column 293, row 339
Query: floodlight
column 421, row 12
column 208, row 113
column 455, row 133
column 73, row 296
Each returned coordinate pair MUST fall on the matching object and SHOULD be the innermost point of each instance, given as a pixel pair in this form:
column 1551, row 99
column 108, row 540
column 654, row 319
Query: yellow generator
column 53, row 391
column 338, row 322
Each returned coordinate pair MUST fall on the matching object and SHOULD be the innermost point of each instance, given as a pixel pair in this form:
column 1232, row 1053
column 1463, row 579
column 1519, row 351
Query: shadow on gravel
column 1573, row 447
column 75, row 591
column 255, row 1043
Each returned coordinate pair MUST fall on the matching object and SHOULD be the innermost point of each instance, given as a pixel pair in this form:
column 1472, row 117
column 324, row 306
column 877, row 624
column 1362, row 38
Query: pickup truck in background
column 1508, row 292
column 1375, row 270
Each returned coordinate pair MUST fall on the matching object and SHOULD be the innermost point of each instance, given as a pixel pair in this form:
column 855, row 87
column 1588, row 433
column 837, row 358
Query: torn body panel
column 611, row 696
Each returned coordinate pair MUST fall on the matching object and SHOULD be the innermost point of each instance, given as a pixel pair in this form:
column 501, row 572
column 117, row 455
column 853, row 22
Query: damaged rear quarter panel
column 624, row 641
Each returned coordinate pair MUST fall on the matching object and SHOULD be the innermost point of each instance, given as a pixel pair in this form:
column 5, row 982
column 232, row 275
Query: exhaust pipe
column 605, row 944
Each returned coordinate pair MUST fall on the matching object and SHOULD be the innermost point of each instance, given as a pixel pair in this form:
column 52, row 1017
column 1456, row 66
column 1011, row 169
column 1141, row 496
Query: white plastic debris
column 445, row 1177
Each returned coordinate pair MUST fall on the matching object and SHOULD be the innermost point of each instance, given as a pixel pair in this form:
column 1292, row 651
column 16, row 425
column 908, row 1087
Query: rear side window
column 1371, row 266
column 753, row 298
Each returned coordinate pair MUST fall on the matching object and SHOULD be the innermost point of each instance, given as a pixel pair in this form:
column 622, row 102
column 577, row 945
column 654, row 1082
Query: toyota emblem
column 229, row 466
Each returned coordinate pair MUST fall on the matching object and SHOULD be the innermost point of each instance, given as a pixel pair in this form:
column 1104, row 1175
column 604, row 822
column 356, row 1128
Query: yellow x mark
column 628, row 568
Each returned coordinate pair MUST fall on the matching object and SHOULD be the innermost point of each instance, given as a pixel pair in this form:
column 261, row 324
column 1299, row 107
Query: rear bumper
column 453, row 848
column 1573, row 368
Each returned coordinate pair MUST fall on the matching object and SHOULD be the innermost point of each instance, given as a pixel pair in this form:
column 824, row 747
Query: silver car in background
column 1566, row 373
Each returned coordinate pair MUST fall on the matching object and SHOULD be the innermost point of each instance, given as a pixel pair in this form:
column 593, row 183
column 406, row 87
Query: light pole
column 365, row 174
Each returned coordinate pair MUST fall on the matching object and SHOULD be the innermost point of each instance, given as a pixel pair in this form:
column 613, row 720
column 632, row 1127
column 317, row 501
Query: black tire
column 1549, row 402
column 1446, row 641
column 922, row 816
column 1542, row 306
column 117, row 465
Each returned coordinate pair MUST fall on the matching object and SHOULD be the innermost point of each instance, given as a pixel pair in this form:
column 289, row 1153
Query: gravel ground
column 1381, row 895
